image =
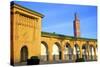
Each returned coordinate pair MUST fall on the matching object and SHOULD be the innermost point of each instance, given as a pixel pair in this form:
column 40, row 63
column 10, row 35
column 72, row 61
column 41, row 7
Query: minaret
column 76, row 26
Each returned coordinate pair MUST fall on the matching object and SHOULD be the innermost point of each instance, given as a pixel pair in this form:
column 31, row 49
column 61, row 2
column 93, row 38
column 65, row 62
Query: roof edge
column 12, row 3
column 61, row 35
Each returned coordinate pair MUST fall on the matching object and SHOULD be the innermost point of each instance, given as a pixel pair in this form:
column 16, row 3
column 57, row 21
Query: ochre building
column 27, row 40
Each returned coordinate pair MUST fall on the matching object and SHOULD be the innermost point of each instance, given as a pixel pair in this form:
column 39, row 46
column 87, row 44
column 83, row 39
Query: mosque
column 27, row 40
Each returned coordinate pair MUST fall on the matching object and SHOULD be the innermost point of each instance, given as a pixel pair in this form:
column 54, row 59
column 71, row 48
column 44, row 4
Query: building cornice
column 25, row 9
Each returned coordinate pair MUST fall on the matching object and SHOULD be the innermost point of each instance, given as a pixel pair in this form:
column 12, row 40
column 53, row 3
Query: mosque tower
column 76, row 24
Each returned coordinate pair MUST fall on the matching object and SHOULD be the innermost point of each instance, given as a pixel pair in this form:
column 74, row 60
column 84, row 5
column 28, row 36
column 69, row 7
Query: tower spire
column 76, row 26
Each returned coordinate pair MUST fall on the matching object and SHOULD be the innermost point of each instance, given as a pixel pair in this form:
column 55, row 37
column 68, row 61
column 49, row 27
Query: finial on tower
column 76, row 16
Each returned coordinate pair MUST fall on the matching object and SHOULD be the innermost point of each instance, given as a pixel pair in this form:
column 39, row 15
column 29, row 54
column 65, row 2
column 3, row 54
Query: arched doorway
column 56, row 52
column 84, row 51
column 44, row 51
column 76, row 51
column 92, row 52
column 24, row 54
column 68, row 52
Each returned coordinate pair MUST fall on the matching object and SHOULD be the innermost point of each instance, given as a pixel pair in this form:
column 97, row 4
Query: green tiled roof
column 48, row 34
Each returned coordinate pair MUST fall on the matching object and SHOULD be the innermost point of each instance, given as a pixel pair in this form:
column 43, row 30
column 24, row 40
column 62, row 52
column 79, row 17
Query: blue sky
column 59, row 17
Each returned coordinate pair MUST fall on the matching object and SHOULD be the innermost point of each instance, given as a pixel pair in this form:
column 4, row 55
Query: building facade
column 27, row 40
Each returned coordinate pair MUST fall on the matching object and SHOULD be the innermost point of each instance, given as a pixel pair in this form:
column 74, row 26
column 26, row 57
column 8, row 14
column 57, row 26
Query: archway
column 44, row 51
column 56, row 52
column 92, row 52
column 84, row 51
column 76, row 51
column 68, row 52
column 24, row 54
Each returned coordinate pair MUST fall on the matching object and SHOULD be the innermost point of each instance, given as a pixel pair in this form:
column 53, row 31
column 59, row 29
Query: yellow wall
column 26, row 31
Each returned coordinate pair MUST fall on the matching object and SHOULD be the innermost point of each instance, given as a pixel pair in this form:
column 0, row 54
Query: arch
column 68, row 52
column 84, row 51
column 56, row 51
column 92, row 49
column 24, row 54
column 44, row 51
column 76, row 51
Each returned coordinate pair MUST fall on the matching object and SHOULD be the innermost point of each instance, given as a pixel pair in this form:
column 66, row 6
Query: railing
column 67, row 57
column 44, row 58
column 92, row 58
column 56, row 57
column 76, row 56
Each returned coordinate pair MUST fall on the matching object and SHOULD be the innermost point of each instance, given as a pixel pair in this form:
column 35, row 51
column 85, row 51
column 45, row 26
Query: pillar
column 50, row 57
column 88, row 51
column 80, row 52
column 74, row 53
column 95, row 56
column 62, row 54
